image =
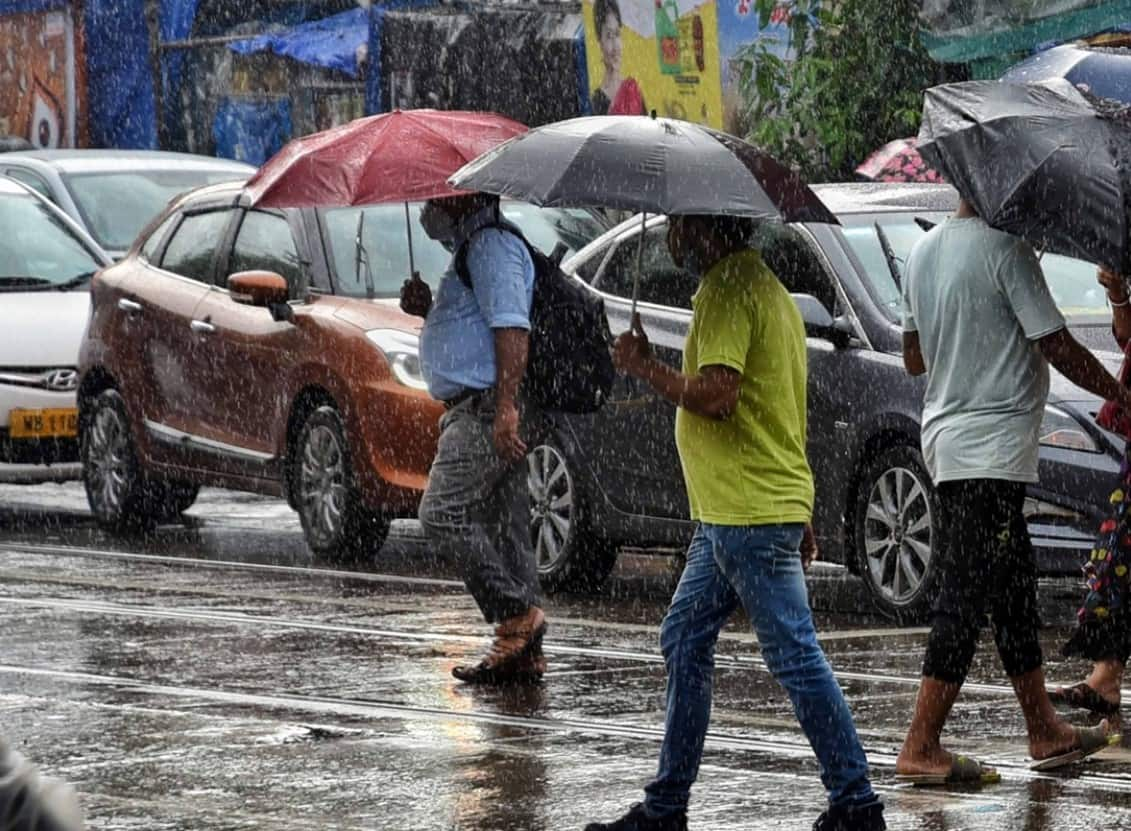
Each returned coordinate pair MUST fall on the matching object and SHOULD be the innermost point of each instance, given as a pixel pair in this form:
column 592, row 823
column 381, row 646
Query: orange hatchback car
column 265, row 351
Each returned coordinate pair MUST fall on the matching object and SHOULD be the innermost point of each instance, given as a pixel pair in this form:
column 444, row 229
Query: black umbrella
column 637, row 163
column 1104, row 71
column 1041, row 161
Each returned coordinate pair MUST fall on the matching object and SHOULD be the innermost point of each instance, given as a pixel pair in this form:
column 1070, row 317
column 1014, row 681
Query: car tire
column 897, row 533
column 571, row 556
column 115, row 488
column 337, row 525
column 171, row 499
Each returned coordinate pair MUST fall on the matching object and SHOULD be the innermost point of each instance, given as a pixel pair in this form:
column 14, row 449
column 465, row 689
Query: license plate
column 60, row 422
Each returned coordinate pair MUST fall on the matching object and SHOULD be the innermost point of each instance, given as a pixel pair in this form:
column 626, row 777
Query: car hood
column 42, row 328
column 377, row 314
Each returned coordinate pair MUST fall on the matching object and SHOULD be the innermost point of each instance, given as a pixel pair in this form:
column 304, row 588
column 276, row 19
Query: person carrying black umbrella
column 740, row 427
column 741, row 431
column 979, row 320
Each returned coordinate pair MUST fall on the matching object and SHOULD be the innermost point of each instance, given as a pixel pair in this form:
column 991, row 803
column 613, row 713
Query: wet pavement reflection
column 212, row 676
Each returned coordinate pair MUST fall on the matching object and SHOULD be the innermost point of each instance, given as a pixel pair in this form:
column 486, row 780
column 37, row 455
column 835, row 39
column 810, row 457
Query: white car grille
column 57, row 379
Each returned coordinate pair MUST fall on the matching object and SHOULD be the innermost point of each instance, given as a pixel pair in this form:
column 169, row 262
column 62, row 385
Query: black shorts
column 987, row 570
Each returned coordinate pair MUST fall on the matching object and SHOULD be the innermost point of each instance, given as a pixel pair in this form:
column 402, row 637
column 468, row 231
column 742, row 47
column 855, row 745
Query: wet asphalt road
column 211, row 676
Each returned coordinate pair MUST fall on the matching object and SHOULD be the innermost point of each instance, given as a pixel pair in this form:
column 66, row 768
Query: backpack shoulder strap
column 459, row 259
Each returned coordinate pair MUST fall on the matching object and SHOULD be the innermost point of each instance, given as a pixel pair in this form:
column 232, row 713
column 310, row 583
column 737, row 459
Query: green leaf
column 856, row 84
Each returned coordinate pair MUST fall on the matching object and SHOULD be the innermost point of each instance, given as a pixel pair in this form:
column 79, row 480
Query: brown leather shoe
column 515, row 655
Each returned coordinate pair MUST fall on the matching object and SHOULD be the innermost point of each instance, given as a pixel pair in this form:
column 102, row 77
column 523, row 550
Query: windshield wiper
column 75, row 282
column 17, row 282
column 889, row 255
column 361, row 257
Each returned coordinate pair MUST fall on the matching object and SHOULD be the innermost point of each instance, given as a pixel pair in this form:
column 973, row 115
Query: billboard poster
column 37, row 78
column 661, row 55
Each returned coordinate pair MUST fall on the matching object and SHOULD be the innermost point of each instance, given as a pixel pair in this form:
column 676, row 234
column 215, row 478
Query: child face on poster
column 608, row 21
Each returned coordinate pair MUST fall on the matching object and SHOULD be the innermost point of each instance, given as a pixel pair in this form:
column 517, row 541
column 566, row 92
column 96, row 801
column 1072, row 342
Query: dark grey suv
column 613, row 479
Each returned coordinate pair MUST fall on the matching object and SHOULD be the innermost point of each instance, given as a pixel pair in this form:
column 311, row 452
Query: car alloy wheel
column 108, row 462
column 322, row 486
column 898, row 535
column 552, row 499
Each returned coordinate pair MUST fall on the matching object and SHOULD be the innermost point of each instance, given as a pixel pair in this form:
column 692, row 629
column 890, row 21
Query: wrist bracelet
column 1126, row 302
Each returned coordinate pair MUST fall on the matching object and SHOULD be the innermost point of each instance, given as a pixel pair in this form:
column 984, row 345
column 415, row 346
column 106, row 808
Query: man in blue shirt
column 473, row 349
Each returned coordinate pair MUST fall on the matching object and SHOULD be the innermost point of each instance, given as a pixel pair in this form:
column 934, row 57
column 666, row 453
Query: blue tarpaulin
column 332, row 42
column 119, row 82
column 251, row 131
column 25, row 6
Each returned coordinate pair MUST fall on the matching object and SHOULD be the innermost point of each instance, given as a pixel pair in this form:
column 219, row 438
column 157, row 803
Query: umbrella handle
column 408, row 228
column 639, row 262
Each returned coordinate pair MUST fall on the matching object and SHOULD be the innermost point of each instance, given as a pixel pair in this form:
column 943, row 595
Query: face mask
column 438, row 224
column 693, row 263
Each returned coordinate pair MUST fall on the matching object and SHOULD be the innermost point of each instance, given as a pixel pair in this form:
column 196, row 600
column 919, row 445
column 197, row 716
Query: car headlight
column 402, row 351
column 1059, row 429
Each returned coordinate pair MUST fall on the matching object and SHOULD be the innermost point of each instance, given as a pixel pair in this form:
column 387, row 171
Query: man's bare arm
column 912, row 354
column 1081, row 367
column 713, row 393
column 511, row 349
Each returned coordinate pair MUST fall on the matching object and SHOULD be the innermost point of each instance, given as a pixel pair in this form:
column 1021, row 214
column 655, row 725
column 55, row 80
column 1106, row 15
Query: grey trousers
column 476, row 509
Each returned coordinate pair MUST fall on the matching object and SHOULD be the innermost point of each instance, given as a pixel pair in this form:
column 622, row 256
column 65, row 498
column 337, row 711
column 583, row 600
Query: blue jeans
column 759, row 567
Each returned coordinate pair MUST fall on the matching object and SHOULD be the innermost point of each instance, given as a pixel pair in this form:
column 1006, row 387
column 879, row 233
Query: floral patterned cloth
column 1104, row 629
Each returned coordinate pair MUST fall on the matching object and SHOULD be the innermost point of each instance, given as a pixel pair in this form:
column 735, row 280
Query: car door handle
column 202, row 327
column 129, row 306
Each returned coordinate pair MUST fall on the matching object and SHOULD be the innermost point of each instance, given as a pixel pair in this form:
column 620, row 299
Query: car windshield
column 115, row 206
column 1071, row 281
column 38, row 250
column 386, row 241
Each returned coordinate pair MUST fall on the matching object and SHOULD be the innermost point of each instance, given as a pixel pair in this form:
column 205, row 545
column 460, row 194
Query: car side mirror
column 262, row 288
column 819, row 323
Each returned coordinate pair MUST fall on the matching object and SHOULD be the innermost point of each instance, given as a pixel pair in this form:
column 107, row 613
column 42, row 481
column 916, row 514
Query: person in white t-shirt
column 979, row 319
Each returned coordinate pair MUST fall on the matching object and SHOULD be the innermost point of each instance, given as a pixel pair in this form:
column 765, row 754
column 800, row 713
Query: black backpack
column 569, row 367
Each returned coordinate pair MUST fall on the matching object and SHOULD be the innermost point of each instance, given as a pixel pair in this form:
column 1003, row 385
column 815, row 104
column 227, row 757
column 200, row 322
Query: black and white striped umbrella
column 637, row 163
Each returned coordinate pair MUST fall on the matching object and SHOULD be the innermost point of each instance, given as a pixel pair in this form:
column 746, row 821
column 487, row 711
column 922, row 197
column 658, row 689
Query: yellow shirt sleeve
column 725, row 321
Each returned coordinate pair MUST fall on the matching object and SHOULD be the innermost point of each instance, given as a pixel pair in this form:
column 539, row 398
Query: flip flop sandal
column 963, row 771
column 1091, row 740
column 1083, row 697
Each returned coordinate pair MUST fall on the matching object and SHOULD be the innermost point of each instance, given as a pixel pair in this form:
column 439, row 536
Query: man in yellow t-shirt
column 740, row 430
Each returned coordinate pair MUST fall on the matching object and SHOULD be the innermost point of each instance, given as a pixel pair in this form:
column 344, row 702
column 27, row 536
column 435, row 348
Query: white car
column 113, row 194
column 46, row 262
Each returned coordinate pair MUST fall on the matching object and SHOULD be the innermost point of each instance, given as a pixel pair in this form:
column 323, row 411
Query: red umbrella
column 898, row 161
column 402, row 156
column 393, row 157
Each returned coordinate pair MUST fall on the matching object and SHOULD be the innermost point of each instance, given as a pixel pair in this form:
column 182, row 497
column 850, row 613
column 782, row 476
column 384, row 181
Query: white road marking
column 336, row 574
column 732, row 662
column 329, row 705
column 157, row 559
